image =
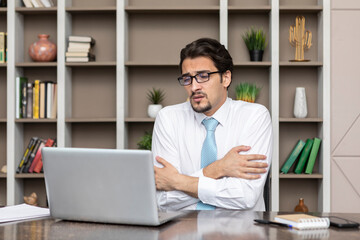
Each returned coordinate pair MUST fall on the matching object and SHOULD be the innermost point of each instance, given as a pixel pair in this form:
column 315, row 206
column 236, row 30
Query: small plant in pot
column 247, row 92
column 155, row 96
column 145, row 141
column 255, row 40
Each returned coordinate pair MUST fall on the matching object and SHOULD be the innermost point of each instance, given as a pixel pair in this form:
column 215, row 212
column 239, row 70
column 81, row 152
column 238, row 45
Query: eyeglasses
column 199, row 77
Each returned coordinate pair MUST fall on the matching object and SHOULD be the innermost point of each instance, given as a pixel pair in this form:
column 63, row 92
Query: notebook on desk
column 102, row 185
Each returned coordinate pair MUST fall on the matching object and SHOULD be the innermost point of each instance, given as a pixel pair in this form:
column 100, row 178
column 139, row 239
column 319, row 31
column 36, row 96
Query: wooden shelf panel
column 29, row 175
column 301, row 176
column 2, row 175
column 3, row 10
column 30, row 120
column 3, row 64
column 25, row 10
column 36, row 64
column 90, row 120
column 291, row 9
column 139, row 120
column 300, row 64
column 3, row 120
column 149, row 9
column 249, row 9
column 92, row 64
column 91, row 9
column 252, row 64
column 301, row 120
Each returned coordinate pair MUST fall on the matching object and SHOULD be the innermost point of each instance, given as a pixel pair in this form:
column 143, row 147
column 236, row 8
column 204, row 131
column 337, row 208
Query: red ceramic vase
column 43, row 50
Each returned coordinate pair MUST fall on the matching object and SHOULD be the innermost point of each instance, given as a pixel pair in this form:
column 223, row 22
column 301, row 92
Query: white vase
column 300, row 106
column 153, row 110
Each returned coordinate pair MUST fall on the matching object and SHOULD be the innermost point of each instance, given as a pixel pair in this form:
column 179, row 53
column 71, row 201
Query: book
column 47, row 3
column 29, row 96
column 36, row 99
column 39, row 165
column 36, row 158
column 303, row 221
column 304, row 156
column 79, row 59
column 26, row 154
column 37, row 3
column 293, row 156
column 19, row 81
column 84, row 39
column 2, row 47
column 49, row 98
column 54, row 102
column 32, row 156
column 23, row 112
column 28, row 3
column 81, row 45
column 78, row 49
column 79, row 54
column 42, row 100
column 313, row 155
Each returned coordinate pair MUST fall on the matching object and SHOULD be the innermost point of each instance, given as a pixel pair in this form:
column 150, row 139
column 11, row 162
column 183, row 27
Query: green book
column 304, row 156
column 293, row 156
column 313, row 155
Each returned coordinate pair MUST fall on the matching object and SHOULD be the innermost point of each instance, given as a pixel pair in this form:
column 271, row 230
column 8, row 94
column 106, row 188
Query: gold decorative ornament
column 300, row 39
column 32, row 199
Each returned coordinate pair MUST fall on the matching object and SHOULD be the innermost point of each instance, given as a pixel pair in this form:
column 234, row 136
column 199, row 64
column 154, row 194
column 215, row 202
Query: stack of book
column 38, row 3
column 80, row 49
column 31, row 162
column 38, row 100
column 3, row 47
column 307, row 153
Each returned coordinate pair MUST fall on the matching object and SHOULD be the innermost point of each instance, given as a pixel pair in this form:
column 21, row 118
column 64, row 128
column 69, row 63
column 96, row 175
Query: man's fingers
column 250, row 176
column 255, row 157
column 161, row 161
column 241, row 148
column 255, row 170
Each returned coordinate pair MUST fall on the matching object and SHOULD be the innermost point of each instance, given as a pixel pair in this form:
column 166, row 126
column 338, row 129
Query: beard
column 198, row 107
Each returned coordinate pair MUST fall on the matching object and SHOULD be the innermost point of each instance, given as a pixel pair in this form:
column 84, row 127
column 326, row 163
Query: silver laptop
column 102, row 185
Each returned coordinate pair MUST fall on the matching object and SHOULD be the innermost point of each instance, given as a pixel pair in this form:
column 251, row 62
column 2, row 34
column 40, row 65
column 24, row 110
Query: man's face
column 206, row 97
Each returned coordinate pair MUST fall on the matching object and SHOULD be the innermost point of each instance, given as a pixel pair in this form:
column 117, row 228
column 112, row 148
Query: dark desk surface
column 195, row 225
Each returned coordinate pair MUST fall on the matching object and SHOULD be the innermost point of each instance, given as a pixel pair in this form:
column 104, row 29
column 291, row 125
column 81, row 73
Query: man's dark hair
column 207, row 47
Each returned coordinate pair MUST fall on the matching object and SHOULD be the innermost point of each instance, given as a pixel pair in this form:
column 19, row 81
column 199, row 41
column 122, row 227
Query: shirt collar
column 220, row 115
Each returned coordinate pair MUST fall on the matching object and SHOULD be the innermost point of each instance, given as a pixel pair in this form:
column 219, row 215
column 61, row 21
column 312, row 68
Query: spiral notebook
column 303, row 221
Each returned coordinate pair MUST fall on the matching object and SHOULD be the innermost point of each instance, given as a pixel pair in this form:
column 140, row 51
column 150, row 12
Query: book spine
column 29, row 89
column 54, row 105
column 24, row 100
column 32, row 156
column 42, row 100
column 36, row 99
column 26, row 154
column 313, row 155
column 36, row 158
column 2, row 47
column 49, row 99
column 17, row 98
column 293, row 156
column 304, row 156
column 39, row 165
column 35, row 139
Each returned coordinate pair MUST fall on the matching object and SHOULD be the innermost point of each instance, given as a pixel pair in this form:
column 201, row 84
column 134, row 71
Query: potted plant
column 255, row 40
column 247, row 92
column 155, row 96
column 145, row 141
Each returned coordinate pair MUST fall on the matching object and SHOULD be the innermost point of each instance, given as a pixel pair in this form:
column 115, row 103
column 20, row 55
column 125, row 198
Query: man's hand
column 168, row 178
column 237, row 165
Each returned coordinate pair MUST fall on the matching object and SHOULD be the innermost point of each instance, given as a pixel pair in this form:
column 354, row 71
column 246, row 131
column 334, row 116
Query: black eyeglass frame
column 195, row 76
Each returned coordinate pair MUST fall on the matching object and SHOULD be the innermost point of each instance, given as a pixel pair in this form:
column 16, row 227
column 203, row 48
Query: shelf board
column 31, row 120
column 25, row 10
column 251, row 9
column 3, row 64
column 301, row 176
column 292, row 9
column 90, row 120
column 2, row 175
column 36, row 64
column 139, row 120
column 92, row 64
column 142, row 64
column 29, row 175
column 91, row 9
column 300, row 64
column 252, row 64
column 301, row 120
column 3, row 10
column 2, row 120
column 164, row 9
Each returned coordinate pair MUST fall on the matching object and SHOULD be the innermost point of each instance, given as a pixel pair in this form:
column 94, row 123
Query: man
column 211, row 152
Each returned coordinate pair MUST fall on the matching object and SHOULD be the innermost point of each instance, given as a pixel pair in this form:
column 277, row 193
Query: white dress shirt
column 178, row 137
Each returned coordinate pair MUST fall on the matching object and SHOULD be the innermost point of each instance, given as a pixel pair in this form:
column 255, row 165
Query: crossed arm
column 232, row 164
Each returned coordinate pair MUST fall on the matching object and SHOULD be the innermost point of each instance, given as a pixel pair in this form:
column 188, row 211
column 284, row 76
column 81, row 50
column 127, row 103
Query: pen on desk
column 271, row 222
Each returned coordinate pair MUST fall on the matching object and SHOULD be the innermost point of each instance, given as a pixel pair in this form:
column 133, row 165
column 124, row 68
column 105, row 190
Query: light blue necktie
column 208, row 152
